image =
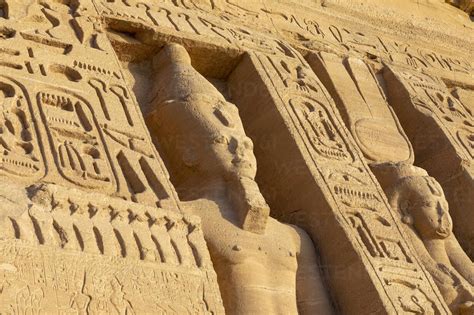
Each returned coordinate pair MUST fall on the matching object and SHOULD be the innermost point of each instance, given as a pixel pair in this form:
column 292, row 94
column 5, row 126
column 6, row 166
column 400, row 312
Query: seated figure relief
column 263, row 266
column 420, row 201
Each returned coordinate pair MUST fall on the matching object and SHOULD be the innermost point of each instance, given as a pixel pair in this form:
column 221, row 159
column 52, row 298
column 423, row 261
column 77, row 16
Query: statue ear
column 407, row 219
column 404, row 211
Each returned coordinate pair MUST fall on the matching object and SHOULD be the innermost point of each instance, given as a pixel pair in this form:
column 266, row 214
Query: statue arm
column 459, row 259
column 445, row 277
column 440, row 275
column 311, row 294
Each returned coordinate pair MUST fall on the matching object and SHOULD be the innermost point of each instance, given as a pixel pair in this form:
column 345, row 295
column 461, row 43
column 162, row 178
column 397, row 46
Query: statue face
column 430, row 212
column 209, row 139
column 223, row 147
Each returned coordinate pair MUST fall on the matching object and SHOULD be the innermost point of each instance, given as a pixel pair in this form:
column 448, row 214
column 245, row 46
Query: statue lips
column 241, row 163
column 243, row 167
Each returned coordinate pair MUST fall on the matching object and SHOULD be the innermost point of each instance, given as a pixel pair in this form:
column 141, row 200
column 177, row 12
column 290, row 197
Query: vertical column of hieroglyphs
column 87, row 234
column 300, row 142
column 415, row 197
column 441, row 129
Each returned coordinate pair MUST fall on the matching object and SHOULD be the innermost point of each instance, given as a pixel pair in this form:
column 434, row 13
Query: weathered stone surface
column 240, row 157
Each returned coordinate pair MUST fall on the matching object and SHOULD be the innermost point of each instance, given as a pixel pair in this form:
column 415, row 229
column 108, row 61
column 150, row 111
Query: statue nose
column 441, row 209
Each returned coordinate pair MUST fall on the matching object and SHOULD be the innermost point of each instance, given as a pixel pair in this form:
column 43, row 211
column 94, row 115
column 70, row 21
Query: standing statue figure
column 263, row 266
column 420, row 201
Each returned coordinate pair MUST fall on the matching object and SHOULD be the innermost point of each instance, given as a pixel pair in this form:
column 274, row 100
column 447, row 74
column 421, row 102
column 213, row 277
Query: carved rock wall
column 320, row 152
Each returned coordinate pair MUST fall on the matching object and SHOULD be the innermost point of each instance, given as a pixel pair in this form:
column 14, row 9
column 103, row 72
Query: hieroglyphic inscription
column 21, row 154
column 254, row 26
column 39, row 280
column 431, row 94
column 176, row 18
column 86, row 253
column 70, row 219
column 88, row 132
column 74, row 139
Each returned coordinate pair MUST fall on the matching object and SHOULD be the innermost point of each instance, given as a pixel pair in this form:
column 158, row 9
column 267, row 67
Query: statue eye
column 224, row 117
column 428, row 204
column 221, row 140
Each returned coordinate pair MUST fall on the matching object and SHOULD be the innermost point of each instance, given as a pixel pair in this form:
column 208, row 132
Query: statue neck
column 436, row 247
column 199, row 187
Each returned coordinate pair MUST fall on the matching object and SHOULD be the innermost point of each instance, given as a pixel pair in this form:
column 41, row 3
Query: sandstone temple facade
column 236, row 157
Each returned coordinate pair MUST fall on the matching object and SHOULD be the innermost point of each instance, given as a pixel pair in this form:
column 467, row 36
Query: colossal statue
column 263, row 266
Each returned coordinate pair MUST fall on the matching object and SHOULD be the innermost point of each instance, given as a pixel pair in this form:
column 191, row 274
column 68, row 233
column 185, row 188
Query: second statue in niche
column 263, row 266
column 422, row 206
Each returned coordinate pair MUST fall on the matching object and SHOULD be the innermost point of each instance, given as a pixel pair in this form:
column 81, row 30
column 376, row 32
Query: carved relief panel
column 359, row 97
column 80, row 252
column 68, row 118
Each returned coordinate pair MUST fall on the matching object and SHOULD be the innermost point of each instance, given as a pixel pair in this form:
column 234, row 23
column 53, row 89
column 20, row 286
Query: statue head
column 422, row 203
column 202, row 139
column 200, row 133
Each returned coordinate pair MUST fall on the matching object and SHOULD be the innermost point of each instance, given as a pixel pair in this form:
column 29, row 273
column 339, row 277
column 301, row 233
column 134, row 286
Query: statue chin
column 444, row 229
